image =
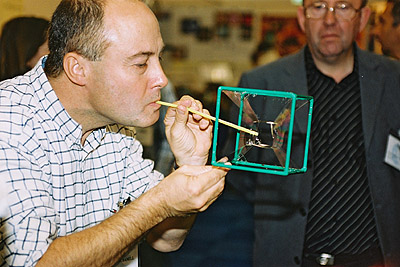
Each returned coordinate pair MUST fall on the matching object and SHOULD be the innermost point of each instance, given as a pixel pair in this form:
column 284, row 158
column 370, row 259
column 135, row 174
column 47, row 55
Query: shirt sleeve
column 139, row 175
column 30, row 223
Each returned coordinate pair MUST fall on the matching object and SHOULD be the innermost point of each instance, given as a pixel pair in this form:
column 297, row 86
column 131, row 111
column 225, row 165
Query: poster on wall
column 224, row 24
column 282, row 33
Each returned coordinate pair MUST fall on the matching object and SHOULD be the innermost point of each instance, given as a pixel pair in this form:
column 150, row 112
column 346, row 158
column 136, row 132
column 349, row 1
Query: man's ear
column 301, row 18
column 75, row 67
column 365, row 13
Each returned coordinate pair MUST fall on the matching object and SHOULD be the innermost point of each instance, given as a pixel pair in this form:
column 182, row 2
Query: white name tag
column 130, row 259
column 392, row 156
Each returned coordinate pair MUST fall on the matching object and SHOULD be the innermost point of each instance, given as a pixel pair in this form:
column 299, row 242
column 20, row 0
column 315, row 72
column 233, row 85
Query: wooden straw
column 227, row 123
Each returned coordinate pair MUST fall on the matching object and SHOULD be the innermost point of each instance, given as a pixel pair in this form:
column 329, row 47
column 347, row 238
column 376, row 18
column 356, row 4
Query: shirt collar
column 68, row 127
column 310, row 64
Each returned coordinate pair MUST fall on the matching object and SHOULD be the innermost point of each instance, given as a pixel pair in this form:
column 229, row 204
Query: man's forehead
column 131, row 16
column 355, row 3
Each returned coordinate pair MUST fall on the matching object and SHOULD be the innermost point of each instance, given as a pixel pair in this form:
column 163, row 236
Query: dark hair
column 76, row 26
column 395, row 12
column 19, row 41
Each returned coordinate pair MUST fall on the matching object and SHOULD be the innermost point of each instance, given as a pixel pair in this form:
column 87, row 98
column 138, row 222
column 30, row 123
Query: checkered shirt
column 58, row 186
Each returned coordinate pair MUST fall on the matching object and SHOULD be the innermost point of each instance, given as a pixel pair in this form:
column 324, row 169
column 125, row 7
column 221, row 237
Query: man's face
column 386, row 32
column 330, row 37
column 126, row 82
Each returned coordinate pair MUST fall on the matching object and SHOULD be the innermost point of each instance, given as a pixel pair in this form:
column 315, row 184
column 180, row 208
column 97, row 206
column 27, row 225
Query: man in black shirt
column 344, row 210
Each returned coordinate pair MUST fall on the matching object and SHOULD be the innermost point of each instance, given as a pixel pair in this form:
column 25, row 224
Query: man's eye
column 342, row 6
column 141, row 65
column 318, row 6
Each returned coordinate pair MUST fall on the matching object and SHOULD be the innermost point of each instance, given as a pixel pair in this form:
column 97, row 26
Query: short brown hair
column 76, row 26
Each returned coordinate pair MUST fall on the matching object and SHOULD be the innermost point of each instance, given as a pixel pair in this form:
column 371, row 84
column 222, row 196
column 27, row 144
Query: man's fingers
column 216, row 190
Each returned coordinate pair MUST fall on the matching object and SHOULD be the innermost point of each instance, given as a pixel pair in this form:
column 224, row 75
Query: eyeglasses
column 342, row 10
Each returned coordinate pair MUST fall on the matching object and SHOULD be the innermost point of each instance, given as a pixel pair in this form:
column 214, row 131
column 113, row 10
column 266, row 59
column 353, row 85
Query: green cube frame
column 258, row 167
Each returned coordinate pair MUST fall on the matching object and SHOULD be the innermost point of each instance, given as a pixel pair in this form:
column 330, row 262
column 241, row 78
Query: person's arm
column 169, row 235
column 189, row 136
column 186, row 191
column 166, row 210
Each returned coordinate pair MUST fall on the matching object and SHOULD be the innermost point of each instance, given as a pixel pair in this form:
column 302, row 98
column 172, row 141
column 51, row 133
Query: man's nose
column 330, row 16
column 162, row 79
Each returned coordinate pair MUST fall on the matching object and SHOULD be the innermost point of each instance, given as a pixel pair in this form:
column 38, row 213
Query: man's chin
column 332, row 51
column 329, row 56
column 149, row 121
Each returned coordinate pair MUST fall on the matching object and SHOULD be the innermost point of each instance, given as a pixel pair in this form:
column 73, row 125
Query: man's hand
column 187, row 191
column 192, row 189
column 189, row 135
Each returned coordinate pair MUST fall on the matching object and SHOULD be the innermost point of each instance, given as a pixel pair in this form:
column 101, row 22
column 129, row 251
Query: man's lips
column 154, row 103
column 329, row 35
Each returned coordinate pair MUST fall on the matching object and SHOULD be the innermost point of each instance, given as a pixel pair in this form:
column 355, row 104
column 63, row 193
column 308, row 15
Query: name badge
column 130, row 259
column 392, row 156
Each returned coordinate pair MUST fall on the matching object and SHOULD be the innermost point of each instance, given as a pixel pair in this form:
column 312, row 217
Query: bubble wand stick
column 227, row 123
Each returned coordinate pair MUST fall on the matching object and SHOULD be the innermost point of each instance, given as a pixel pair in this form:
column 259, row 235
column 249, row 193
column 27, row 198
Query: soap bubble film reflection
column 271, row 117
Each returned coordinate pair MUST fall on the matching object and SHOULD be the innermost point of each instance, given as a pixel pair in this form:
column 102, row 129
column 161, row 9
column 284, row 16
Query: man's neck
column 337, row 68
column 75, row 103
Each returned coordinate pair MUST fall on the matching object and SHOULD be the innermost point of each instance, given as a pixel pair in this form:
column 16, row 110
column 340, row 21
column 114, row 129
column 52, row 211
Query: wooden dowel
column 227, row 123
